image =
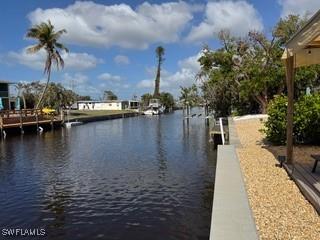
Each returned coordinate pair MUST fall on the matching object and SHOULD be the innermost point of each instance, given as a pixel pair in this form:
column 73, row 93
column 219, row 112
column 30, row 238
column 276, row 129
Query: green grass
column 78, row 114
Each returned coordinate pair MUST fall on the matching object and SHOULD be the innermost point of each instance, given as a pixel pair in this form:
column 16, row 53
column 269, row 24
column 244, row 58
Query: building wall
column 4, row 94
column 101, row 106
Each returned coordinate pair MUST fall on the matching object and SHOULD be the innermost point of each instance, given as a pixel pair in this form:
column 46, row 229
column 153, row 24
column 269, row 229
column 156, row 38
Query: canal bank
column 97, row 115
column 232, row 216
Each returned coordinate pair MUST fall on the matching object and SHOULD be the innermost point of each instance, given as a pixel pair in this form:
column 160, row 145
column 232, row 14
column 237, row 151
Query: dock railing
column 224, row 130
column 23, row 116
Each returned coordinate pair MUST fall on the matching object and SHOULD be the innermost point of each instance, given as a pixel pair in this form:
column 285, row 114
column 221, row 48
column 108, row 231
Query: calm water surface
column 133, row 178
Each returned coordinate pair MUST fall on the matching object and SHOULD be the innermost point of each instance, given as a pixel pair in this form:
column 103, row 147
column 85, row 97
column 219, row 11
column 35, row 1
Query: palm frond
column 58, row 34
column 48, row 63
column 56, row 57
column 61, row 46
column 34, row 48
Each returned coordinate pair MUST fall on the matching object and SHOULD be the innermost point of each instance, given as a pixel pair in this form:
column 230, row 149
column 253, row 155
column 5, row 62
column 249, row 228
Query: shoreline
column 89, row 116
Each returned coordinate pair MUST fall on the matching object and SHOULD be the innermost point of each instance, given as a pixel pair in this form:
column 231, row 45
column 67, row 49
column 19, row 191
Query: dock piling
column 37, row 120
column 21, row 123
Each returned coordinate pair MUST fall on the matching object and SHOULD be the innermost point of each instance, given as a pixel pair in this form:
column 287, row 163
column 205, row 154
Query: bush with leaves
column 306, row 120
column 275, row 126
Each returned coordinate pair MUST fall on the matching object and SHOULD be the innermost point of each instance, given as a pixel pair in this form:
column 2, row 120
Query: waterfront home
column 108, row 105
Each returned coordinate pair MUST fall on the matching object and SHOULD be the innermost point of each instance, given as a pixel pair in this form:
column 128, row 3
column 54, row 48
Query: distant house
column 103, row 105
column 134, row 104
column 108, row 105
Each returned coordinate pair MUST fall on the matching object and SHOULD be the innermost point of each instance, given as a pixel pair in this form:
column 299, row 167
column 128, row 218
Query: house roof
column 5, row 81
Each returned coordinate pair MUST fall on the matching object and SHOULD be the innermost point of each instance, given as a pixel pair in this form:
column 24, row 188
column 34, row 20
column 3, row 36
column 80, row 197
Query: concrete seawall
column 232, row 218
column 105, row 117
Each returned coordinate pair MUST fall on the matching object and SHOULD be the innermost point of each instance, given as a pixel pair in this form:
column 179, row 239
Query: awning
column 303, row 49
column 304, row 46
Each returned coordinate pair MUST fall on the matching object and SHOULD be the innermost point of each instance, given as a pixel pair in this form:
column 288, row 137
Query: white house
column 102, row 105
column 108, row 105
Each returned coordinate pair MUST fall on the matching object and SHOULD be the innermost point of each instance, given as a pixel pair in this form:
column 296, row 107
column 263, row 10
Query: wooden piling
column 1, row 127
column 37, row 120
column 21, row 122
column 52, row 118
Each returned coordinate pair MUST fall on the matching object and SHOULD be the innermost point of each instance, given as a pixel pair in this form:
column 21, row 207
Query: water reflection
column 137, row 178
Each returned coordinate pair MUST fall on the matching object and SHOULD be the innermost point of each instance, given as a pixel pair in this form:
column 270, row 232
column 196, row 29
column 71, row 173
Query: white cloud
column 121, row 59
column 238, row 17
column 109, row 77
column 185, row 76
column 300, row 7
column 92, row 24
column 76, row 79
column 75, row 61
column 80, row 83
column 191, row 63
column 112, row 82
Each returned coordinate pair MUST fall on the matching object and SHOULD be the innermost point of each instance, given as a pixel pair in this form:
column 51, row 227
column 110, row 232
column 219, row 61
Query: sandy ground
column 279, row 208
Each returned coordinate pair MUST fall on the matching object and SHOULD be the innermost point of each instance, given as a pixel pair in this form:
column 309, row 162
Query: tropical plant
column 306, row 121
column 245, row 73
column 189, row 96
column 56, row 95
column 145, row 99
column 167, row 100
column 47, row 39
column 159, row 53
column 21, row 88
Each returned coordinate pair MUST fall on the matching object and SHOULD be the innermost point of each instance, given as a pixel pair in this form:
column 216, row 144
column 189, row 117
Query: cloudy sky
column 112, row 43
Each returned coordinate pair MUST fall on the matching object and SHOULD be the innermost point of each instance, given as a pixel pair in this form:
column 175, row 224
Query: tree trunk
column 263, row 103
column 44, row 90
column 24, row 101
column 156, row 93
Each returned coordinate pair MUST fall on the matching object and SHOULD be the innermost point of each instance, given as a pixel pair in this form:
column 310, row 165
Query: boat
column 70, row 124
column 155, row 107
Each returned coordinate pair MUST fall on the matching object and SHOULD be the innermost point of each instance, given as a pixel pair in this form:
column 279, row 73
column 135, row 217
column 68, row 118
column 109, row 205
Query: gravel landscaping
column 279, row 208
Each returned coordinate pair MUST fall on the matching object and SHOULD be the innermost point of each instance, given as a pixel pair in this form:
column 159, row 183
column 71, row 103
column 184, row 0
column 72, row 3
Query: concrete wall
column 231, row 213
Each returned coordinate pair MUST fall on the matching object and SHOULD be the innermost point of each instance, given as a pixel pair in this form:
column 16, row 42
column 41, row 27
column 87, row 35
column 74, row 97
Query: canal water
column 133, row 178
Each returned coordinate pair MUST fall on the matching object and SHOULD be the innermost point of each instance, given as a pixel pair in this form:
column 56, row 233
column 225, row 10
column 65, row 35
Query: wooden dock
column 20, row 119
column 307, row 181
column 216, row 134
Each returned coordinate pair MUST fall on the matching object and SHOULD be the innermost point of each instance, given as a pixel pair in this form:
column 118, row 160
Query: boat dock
column 219, row 133
column 27, row 118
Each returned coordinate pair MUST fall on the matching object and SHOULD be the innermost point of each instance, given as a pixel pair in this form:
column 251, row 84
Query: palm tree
column 159, row 53
column 21, row 90
column 47, row 39
column 189, row 97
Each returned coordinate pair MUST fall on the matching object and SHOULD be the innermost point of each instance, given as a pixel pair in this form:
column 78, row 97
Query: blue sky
column 112, row 43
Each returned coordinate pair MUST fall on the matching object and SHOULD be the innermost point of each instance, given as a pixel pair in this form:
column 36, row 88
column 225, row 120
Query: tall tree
column 159, row 53
column 145, row 99
column 167, row 100
column 47, row 39
column 109, row 95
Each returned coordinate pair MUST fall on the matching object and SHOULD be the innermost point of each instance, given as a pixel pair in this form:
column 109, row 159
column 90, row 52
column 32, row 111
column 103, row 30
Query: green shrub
column 306, row 126
column 307, row 119
column 275, row 126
